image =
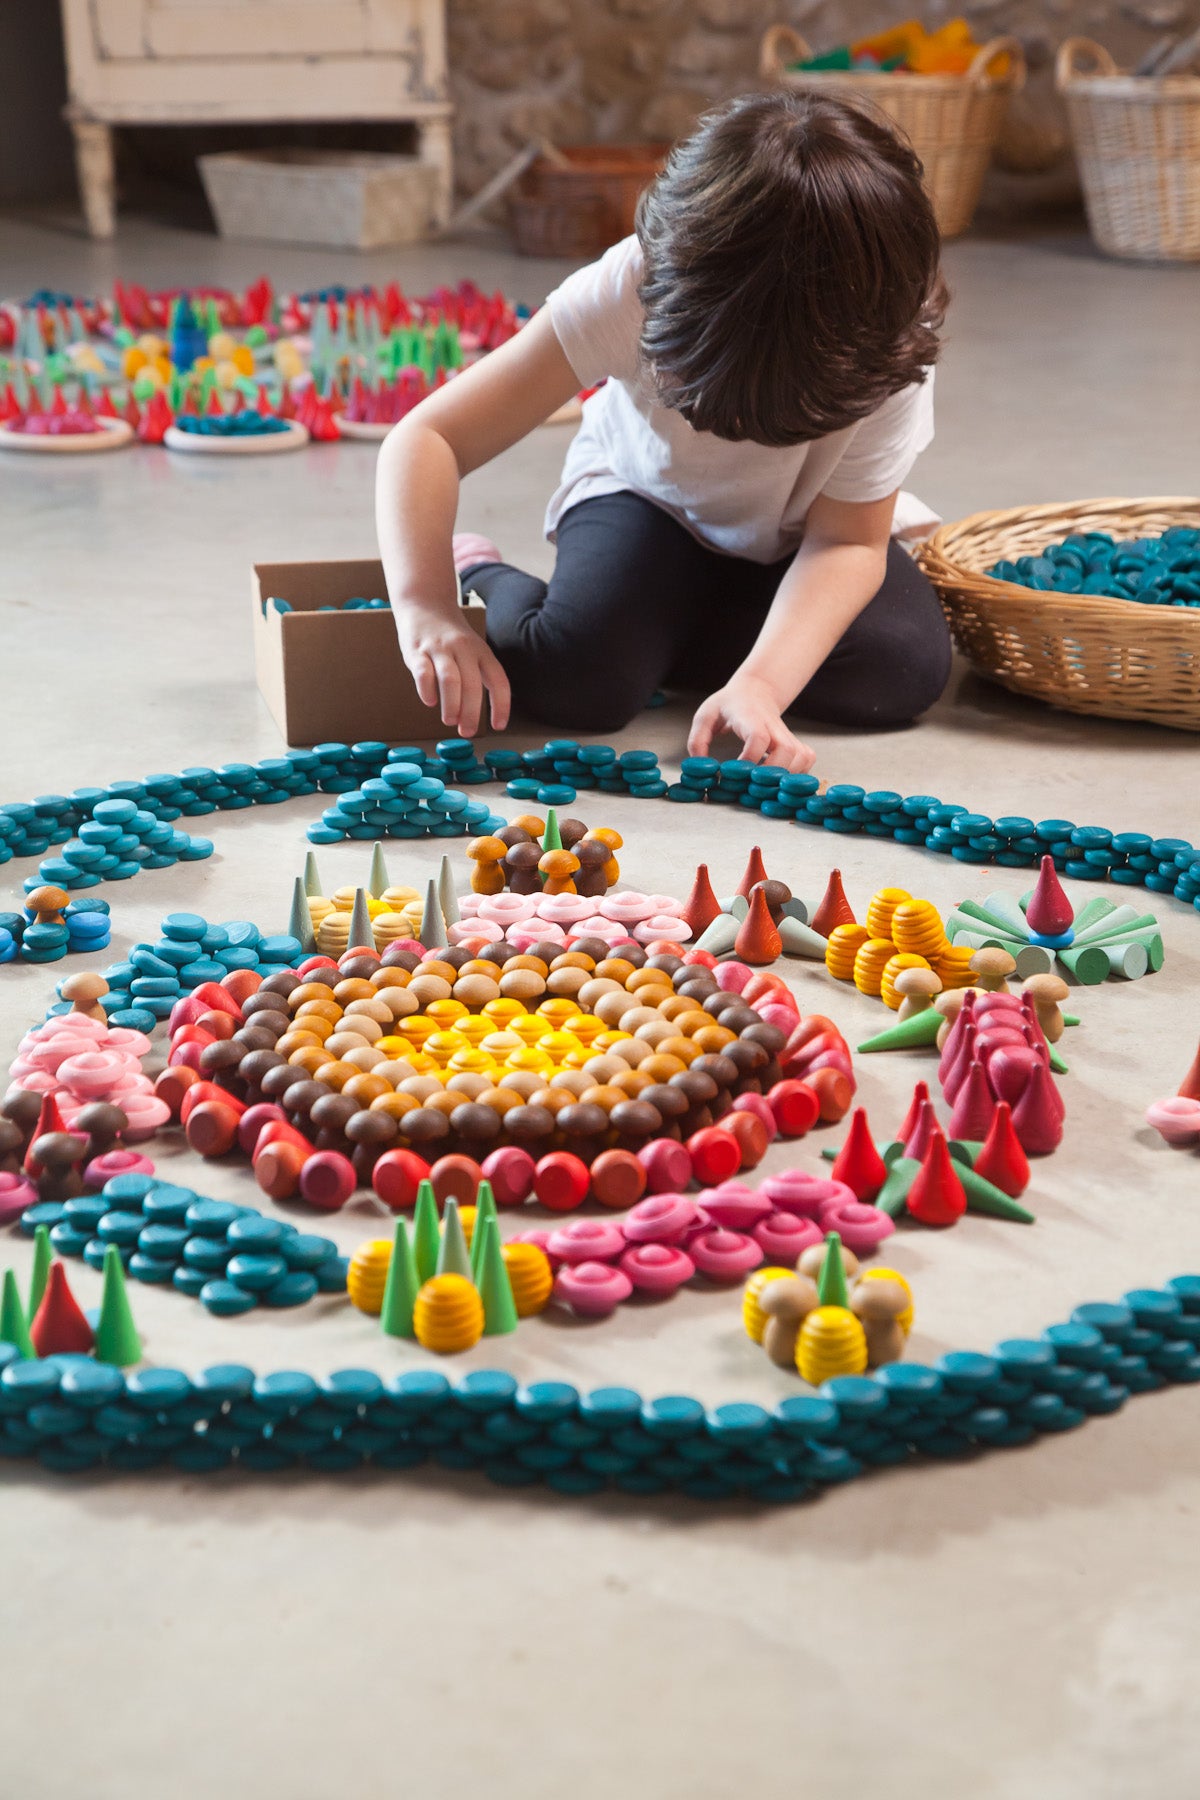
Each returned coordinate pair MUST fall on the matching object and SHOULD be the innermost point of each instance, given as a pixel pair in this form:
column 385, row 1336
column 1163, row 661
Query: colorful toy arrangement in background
column 908, row 48
column 1154, row 571
column 53, row 925
column 207, row 363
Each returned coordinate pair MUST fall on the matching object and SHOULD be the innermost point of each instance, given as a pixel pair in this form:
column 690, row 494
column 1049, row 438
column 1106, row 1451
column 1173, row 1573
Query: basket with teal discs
column 1091, row 605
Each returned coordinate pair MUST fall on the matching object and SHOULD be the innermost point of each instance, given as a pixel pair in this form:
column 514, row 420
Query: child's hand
column 452, row 666
column 748, row 708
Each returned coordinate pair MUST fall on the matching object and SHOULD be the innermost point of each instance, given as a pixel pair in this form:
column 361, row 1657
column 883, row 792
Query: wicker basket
column 1117, row 659
column 1137, row 142
column 581, row 206
column 951, row 120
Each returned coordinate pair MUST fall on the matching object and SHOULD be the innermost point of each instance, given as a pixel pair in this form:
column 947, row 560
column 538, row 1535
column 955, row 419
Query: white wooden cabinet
column 202, row 62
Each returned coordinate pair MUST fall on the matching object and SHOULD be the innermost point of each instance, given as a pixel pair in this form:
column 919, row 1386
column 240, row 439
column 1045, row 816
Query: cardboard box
column 336, row 676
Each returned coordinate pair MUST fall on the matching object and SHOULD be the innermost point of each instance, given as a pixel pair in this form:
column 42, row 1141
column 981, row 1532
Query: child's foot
column 470, row 550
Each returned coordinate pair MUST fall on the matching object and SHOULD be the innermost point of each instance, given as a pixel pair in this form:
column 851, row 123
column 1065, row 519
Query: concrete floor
column 1021, row 1626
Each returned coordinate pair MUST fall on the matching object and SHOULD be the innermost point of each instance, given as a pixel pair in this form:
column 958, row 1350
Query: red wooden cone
column 834, row 909
column 701, row 906
column 974, row 1105
column 758, row 941
column 858, row 1163
column 936, row 1196
column 916, row 1144
column 49, row 1119
column 1002, row 1160
column 1049, row 912
column 1038, row 1115
column 920, row 1096
column 59, row 1326
column 755, row 872
column 1190, row 1086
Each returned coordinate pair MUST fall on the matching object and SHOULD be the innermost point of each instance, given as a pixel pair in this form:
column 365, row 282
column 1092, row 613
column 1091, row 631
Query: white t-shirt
column 745, row 499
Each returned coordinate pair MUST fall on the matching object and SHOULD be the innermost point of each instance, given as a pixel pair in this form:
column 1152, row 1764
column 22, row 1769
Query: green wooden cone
column 300, row 919
column 551, row 837
column 1118, row 923
column 1097, row 908
column 14, row 1328
column 977, row 937
column 312, row 881
column 499, row 1307
column 454, row 1258
column 378, row 880
column 1088, row 963
column 831, row 1282
column 43, row 1256
column 799, row 939
column 982, row 1197
column 1130, row 961
column 918, row 1031
column 117, row 1339
column 362, row 935
column 1148, row 936
column 447, row 898
column 485, row 1208
column 433, row 926
column 892, row 1197
column 999, row 911
column 401, row 1288
column 427, row 1238
column 1056, row 1061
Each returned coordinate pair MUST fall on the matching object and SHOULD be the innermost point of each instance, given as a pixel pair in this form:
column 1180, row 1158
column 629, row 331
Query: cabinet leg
column 97, row 185
column 436, row 149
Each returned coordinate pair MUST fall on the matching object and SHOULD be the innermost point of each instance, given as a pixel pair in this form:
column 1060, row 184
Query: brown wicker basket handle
column 780, row 46
column 983, row 60
column 1067, row 63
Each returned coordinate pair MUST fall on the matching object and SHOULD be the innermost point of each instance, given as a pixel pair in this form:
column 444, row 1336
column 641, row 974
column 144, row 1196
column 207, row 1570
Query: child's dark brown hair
column 791, row 279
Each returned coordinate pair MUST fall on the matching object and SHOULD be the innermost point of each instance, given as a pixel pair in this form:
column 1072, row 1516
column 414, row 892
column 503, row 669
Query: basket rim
column 888, row 81
column 940, row 557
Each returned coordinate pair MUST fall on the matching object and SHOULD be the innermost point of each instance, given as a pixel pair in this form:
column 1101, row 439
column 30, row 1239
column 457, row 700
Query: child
column 724, row 518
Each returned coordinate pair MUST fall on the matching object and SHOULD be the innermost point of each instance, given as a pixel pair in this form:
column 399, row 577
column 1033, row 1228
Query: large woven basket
column 952, row 121
column 1117, row 659
column 583, row 201
column 1137, row 143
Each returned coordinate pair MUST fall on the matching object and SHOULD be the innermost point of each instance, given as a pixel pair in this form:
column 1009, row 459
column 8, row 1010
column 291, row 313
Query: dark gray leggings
column 635, row 603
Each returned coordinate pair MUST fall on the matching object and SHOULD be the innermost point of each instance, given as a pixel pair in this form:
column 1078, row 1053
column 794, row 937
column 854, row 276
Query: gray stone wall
column 625, row 70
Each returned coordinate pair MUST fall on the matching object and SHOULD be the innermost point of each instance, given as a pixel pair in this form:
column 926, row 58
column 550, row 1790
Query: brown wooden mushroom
column 992, row 968
column 918, row 989
column 1048, row 993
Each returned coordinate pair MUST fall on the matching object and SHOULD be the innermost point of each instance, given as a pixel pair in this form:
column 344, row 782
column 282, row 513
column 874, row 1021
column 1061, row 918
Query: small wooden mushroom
column 83, row 990
column 878, row 1305
column 918, row 989
column 47, row 905
column 559, row 868
column 786, row 1303
column 487, row 854
column 1048, row 993
column 594, row 857
column 521, row 868
column 59, row 1155
column 604, row 834
column 992, row 968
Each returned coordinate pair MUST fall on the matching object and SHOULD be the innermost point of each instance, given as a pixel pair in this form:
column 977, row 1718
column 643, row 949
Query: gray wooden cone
column 300, row 924
column 433, row 926
column 362, row 936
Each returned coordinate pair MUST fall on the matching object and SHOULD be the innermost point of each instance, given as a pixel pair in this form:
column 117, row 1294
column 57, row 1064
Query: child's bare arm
column 421, row 463
column 836, row 572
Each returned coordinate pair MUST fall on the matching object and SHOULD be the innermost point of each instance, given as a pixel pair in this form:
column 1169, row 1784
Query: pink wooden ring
column 506, row 907
column 146, row 1113
column 586, row 1240
column 591, row 1288
column 115, row 1162
column 724, row 1255
column 1176, row 1120
column 797, row 1191
column 563, row 909
column 91, row 1073
column 734, row 1205
column 662, row 925
column 861, row 1228
column 657, row 1268
column 783, row 1237
column 16, row 1193
column 659, row 1219
column 627, row 908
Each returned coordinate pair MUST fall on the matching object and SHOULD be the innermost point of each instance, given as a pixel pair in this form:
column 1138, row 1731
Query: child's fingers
column 449, row 685
column 756, row 745
column 424, row 679
column 701, row 734
column 471, row 703
column 499, row 693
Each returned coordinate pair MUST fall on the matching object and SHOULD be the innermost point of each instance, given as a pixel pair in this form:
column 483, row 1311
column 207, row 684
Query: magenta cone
column 1049, row 912
column 956, row 1074
column 920, row 1096
column 955, row 1035
column 1038, row 1115
column 917, row 1143
column 974, row 1105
